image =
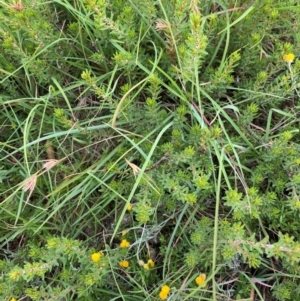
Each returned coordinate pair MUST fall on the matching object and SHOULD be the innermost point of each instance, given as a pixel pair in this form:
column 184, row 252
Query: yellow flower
column 124, row 243
column 13, row 299
column 124, row 264
column 289, row 57
column 96, row 256
column 129, row 207
column 163, row 295
column 200, row 280
column 146, row 266
column 164, row 292
column 151, row 263
column 165, row 289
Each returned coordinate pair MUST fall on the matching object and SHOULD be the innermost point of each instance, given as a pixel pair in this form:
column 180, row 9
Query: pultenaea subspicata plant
column 187, row 111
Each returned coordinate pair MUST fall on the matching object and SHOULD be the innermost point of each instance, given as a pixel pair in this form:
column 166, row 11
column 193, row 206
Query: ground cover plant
column 149, row 150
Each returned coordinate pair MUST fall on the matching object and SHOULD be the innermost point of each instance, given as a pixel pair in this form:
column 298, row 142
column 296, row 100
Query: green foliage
column 151, row 148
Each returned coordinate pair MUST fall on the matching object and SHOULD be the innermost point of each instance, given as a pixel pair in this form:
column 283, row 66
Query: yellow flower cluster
column 289, row 57
column 124, row 243
column 201, row 280
column 96, row 256
column 149, row 265
column 164, row 292
column 124, row 264
column 13, row 299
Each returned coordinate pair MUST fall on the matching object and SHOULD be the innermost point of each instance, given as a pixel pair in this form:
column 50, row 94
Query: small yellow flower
column 124, row 243
column 96, row 256
column 163, row 295
column 200, row 280
column 151, row 263
column 164, row 292
column 165, row 289
column 13, row 299
column 124, row 264
column 129, row 207
column 289, row 57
